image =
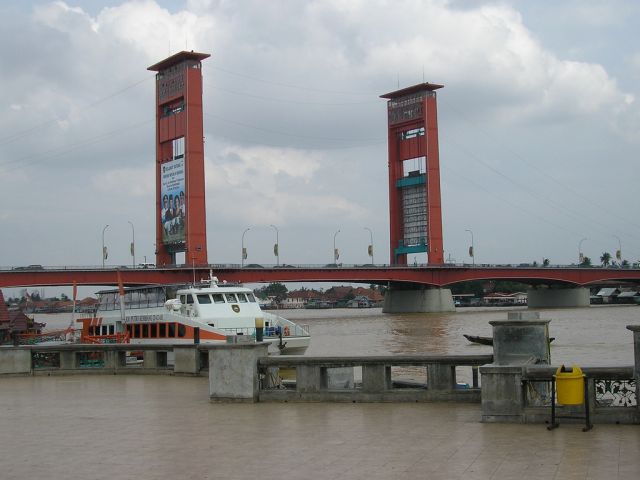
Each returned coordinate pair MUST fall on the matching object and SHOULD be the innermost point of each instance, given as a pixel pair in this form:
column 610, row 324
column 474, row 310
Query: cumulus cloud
column 294, row 127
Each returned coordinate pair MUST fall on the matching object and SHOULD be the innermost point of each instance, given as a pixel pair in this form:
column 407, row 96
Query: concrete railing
column 415, row 378
column 103, row 358
column 524, row 394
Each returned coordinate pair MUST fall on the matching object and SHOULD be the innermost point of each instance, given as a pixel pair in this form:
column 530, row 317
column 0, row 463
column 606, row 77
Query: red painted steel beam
column 428, row 276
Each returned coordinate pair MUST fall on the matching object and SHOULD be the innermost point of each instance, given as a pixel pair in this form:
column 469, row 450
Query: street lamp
column 104, row 249
column 133, row 243
column 472, row 252
column 276, row 247
column 619, row 252
column 580, row 255
column 336, row 255
column 370, row 249
column 244, row 250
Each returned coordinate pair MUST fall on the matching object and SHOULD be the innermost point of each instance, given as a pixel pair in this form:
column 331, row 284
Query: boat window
column 204, row 298
column 183, row 299
column 162, row 330
column 242, row 298
column 172, row 330
column 105, row 330
column 145, row 330
column 231, row 297
column 153, row 329
column 112, row 329
column 251, row 298
column 107, row 301
column 218, row 298
column 189, row 299
column 181, row 330
column 128, row 329
column 91, row 331
column 136, row 330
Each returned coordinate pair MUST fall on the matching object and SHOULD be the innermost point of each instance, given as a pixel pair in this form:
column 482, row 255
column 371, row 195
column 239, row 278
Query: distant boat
column 488, row 340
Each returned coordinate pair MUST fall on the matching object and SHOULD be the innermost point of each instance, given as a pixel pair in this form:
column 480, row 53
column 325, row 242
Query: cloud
column 295, row 131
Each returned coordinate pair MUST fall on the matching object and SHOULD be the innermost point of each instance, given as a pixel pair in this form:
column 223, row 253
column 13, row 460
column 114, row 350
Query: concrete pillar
column 233, row 372
column 441, row 377
column 376, row 378
column 15, row 360
column 419, row 300
column 68, row 360
column 310, row 379
column 557, row 297
column 636, row 350
column 186, row 359
column 502, row 400
column 522, row 339
column 150, row 359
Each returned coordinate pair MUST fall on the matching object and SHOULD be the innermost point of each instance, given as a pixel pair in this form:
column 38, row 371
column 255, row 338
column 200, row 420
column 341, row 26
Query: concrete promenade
column 160, row 427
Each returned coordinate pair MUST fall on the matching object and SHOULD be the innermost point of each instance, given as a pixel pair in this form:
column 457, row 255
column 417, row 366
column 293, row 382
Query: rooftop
column 413, row 89
column 177, row 58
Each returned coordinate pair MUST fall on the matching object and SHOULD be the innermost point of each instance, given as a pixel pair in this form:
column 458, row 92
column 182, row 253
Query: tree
column 586, row 262
column 625, row 264
column 605, row 258
column 545, row 262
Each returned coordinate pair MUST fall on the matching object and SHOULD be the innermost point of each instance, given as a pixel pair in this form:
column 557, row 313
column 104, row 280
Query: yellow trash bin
column 570, row 385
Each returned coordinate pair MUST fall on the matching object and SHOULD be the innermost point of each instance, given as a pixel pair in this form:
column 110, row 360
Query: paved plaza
column 163, row 427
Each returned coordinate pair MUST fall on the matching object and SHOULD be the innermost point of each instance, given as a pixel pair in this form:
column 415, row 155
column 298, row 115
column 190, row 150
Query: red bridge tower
column 414, row 174
column 180, row 192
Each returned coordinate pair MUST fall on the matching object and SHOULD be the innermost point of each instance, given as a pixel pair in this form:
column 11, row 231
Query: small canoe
column 488, row 340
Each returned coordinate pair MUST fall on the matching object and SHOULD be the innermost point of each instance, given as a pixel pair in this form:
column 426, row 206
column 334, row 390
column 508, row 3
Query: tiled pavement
column 158, row 427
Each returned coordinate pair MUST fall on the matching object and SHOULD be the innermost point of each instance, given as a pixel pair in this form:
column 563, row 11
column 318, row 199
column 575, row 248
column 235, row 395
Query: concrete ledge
column 15, row 361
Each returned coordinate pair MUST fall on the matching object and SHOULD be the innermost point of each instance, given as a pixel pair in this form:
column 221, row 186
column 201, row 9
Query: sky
column 539, row 123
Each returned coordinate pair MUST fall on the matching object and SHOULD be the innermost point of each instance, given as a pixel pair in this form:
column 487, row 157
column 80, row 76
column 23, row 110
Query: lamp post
column 580, row 256
column 472, row 252
column 276, row 247
column 104, row 249
column 336, row 255
column 133, row 243
column 370, row 249
column 619, row 251
column 244, row 250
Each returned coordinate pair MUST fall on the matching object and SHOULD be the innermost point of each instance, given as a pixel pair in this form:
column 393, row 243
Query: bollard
column 259, row 329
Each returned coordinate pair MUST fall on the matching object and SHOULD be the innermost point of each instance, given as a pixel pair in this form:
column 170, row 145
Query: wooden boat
column 488, row 340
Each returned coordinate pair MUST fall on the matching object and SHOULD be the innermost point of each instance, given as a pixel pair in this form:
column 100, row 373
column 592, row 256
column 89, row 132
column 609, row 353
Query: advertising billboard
column 174, row 208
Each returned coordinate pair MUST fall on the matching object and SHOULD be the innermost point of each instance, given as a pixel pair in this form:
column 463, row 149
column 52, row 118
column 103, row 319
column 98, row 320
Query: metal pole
column 243, row 250
column 133, row 243
column 105, row 227
column 277, row 249
column 371, row 238
column 580, row 257
column 619, row 247
column 335, row 257
column 473, row 249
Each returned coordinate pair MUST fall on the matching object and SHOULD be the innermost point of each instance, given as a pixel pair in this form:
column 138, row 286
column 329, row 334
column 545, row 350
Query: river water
column 593, row 336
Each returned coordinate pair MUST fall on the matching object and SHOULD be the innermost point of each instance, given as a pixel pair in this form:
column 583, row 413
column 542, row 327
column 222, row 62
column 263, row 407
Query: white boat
column 208, row 312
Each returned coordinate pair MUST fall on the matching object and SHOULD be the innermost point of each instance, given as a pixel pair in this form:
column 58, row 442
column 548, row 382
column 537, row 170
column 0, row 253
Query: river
column 594, row 336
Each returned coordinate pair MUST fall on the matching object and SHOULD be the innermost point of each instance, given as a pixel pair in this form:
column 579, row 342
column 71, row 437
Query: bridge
column 415, row 287
column 414, row 212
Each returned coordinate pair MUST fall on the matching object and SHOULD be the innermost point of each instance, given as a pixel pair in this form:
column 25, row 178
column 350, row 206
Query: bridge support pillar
column 557, row 297
column 418, row 300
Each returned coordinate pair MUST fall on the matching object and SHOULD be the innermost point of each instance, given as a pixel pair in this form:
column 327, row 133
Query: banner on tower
column 172, row 198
